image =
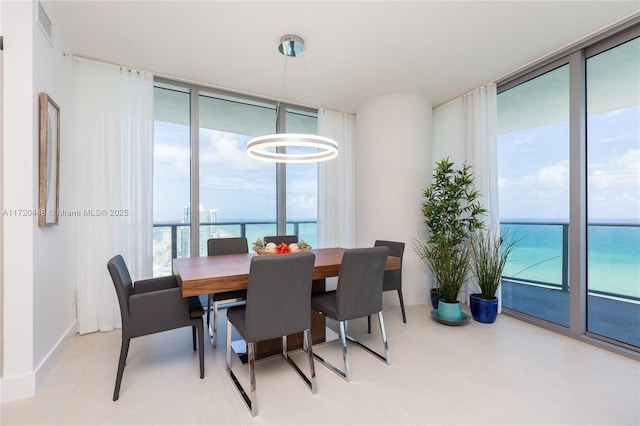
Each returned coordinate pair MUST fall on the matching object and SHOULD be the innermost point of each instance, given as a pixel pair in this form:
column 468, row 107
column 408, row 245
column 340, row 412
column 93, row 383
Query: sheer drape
column 465, row 130
column 336, row 183
column 113, row 148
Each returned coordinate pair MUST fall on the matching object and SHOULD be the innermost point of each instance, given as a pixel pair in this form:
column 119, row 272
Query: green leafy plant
column 302, row 245
column 452, row 212
column 259, row 244
column 450, row 268
column 490, row 254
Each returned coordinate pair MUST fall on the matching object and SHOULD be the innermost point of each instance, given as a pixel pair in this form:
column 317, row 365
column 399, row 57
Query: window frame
column 576, row 56
column 194, row 91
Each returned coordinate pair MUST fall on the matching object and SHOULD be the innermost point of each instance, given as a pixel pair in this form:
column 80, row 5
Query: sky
column 533, row 172
column 238, row 186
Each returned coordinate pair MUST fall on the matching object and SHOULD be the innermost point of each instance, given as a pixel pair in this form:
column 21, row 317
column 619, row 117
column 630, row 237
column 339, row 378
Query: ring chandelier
column 258, row 148
column 274, row 147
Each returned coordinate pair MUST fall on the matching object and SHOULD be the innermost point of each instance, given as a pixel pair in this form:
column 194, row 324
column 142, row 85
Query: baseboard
column 17, row 387
column 28, row 385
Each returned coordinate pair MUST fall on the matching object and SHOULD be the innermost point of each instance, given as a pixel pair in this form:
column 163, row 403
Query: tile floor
column 506, row 373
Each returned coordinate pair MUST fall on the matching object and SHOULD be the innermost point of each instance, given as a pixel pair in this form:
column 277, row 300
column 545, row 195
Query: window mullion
column 195, row 172
column 281, row 178
column 577, row 195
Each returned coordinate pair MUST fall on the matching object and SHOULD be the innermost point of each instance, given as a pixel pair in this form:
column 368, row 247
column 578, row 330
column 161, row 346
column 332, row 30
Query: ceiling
column 355, row 50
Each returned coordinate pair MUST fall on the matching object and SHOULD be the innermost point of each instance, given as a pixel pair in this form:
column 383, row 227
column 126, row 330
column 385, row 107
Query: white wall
column 38, row 305
column 1, row 204
column 54, row 285
column 393, row 166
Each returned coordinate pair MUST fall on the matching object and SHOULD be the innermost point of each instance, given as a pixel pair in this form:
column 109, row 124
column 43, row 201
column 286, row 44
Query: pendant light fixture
column 274, row 147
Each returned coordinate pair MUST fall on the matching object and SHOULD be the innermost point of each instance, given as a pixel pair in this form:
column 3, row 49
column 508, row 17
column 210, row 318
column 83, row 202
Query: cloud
column 613, row 189
column 221, row 148
column 543, row 193
column 620, row 175
column 171, row 160
column 225, row 183
column 526, row 140
column 612, row 139
column 554, row 176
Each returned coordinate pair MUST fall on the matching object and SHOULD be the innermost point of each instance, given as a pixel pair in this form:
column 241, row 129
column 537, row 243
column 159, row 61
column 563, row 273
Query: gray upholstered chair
column 151, row 306
column 277, row 239
column 358, row 294
column 392, row 279
column 215, row 247
column 278, row 304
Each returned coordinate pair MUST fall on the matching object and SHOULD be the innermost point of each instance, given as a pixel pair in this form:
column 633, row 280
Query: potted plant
column 452, row 212
column 489, row 257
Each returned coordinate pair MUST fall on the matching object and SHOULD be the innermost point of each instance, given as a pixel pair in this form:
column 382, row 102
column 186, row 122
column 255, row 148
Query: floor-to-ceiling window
column 569, row 182
column 235, row 189
column 171, row 176
column 302, row 187
column 613, row 191
column 533, row 144
column 206, row 186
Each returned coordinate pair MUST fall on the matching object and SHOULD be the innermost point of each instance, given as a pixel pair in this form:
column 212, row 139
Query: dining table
column 212, row 274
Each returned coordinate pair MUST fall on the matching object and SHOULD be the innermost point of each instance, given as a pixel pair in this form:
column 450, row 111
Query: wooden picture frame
column 48, row 201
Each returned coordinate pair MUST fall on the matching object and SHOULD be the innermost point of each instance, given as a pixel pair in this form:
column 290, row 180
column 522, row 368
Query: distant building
column 206, row 231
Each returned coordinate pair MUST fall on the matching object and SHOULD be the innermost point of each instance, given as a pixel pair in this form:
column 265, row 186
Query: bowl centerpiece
column 272, row 248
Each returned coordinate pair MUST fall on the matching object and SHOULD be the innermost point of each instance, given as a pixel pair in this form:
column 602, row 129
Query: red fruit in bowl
column 283, row 248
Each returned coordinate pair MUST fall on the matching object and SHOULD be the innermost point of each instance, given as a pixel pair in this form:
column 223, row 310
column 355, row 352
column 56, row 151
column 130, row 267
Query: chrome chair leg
column 211, row 327
column 214, row 334
column 383, row 331
column 228, row 345
column 387, row 355
column 252, row 403
column 308, row 344
column 346, row 374
column 345, row 358
column 309, row 381
column 249, row 399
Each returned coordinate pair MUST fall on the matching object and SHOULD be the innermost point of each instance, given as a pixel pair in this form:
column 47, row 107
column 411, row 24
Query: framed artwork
column 48, row 202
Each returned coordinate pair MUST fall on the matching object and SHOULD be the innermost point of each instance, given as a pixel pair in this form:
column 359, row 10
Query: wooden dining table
column 213, row 274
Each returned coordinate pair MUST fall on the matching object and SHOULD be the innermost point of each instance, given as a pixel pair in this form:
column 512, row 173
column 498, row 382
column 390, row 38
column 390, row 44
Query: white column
column 393, row 166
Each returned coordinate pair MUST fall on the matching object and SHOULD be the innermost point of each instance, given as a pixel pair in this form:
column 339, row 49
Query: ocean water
column 306, row 231
column 613, row 256
column 613, row 252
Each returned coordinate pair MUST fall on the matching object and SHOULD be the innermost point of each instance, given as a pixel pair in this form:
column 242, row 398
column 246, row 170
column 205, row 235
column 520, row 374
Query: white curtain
column 465, row 130
column 336, row 183
column 113, row 148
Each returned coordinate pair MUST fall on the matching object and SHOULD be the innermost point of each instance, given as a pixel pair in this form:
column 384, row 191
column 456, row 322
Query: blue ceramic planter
column 483, row 310
column 435, row 297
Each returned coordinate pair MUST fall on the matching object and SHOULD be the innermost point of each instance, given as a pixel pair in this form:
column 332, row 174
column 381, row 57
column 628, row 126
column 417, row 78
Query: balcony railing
column 542, row 251
column 552, row 239
column 251, row 230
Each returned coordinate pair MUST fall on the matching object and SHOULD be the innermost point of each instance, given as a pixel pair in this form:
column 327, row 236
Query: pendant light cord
column 284, row 71
column 313, row 91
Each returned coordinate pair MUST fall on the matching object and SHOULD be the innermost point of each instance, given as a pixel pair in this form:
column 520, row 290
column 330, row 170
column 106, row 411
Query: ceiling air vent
column 45, row 23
